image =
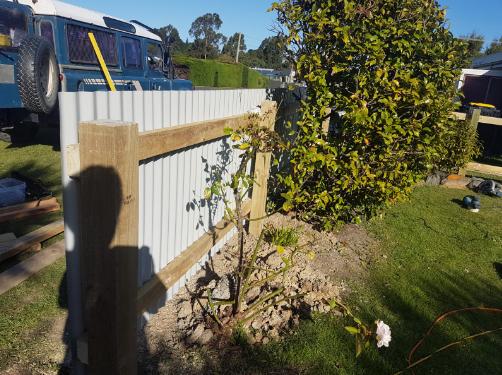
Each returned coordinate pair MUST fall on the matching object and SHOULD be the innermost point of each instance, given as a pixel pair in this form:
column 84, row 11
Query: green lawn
column 27, row 311
column 36, row 161
column 436, row 256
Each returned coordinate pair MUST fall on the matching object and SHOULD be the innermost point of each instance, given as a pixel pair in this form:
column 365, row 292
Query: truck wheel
column 37, row 75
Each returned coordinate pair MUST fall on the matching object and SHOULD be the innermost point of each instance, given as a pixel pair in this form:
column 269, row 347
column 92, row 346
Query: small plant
column 363, row 333
column 249, row 140
column 284, row 237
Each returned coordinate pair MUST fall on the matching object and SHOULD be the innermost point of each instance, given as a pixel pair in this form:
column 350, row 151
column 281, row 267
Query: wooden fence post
column 109, row 244
column 473, row 121
column 261, row 173
column 473, row 118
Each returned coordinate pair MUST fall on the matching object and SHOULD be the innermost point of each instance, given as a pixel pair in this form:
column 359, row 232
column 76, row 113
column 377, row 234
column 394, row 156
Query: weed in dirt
column 285, row 237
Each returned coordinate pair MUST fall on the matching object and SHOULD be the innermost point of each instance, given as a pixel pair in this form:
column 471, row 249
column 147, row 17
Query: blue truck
column 45, row 48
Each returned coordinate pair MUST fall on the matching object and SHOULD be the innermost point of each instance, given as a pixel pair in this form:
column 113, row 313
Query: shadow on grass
column 48, row 136
column 408, row 300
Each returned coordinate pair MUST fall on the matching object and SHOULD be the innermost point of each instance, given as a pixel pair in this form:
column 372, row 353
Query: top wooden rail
column 159, row 142
column 482, row 119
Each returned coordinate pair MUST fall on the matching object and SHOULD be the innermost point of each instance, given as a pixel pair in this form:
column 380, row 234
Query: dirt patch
column 181, row 338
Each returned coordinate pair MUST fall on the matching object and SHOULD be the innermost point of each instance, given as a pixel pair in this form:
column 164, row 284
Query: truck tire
column 37, row 75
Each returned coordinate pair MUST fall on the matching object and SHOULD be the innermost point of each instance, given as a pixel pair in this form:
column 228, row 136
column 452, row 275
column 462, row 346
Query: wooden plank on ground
column 26, row 242
column 154, row 289
column 31, row 266
column 28, row 209
column 484, row 168
column 159, row 142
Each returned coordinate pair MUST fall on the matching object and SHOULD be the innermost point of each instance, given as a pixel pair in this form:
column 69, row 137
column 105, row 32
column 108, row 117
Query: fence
column 136, row 225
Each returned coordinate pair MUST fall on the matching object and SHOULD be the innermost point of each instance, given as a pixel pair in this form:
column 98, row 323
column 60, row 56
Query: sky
column 482, row 16
column 251, row 17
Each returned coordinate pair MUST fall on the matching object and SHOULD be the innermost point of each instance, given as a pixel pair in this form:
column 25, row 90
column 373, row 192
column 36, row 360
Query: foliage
column 467, row 146
column 251, row 58
column 171, row 38
column 388, row 70
column 207, row 38
column 270, row 54
column 249, row 141
column 231, row 45
column 283, row 237
column 475, row 43
column 494, row 47
column 212, row 73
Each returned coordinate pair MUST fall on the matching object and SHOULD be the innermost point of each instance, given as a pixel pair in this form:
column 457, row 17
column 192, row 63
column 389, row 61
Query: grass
column 36, row 161
column 27, row 311
column 211, row 73
column 436, row 256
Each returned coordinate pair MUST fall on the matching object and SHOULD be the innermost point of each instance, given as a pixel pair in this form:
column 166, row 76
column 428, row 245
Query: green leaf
column 244, row 146
column 352, row 330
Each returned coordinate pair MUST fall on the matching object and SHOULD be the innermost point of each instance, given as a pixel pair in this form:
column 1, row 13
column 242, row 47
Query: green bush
column 211, row 73
column 388, row 70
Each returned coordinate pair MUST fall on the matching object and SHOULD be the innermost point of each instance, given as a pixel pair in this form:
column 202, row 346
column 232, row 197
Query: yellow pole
column 102, row 63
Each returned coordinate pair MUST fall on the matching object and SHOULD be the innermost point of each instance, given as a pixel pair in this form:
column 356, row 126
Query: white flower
column 383, row 334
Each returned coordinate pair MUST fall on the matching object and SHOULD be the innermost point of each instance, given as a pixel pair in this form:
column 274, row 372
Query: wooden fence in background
column 474, row 120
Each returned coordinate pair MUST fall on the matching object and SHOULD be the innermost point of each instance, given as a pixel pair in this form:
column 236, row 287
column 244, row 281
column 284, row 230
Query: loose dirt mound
column 183, row 326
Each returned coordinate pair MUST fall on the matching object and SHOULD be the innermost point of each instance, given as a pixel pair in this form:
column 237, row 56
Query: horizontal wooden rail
column 482, row 119
column 154, row 289
column 485, row 169
column 163, row 141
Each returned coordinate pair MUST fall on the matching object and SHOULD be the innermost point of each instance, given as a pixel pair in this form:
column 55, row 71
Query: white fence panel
column 169, row 186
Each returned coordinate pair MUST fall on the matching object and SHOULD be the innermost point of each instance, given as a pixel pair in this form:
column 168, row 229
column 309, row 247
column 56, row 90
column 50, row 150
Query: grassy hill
column 211, row 73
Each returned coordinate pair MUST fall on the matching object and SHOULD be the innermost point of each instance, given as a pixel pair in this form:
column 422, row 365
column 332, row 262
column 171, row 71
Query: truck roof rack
column 143, row 25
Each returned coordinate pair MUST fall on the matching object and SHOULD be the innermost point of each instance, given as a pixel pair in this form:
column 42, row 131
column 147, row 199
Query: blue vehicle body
column 137, row 58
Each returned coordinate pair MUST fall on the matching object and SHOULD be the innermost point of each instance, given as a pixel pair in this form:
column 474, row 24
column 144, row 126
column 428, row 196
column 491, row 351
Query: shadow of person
column 107, row 275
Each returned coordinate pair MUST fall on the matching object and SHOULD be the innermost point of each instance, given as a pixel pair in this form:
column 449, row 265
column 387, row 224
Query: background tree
column 387, row 71
column 494, row 47
column 207, row 38
column 171, row 37
column 273, row 52
column 253, row 59
column 475, row 43
column 230, row 47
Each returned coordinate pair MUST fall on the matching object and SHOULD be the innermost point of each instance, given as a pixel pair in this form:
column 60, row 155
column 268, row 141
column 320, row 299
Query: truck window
column 14, row 24
column 47, row 32
column 132, row 53
column 155, row 57
column 80, row 47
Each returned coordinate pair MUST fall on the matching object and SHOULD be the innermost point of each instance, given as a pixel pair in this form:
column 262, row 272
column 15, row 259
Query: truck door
column 155, row 66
